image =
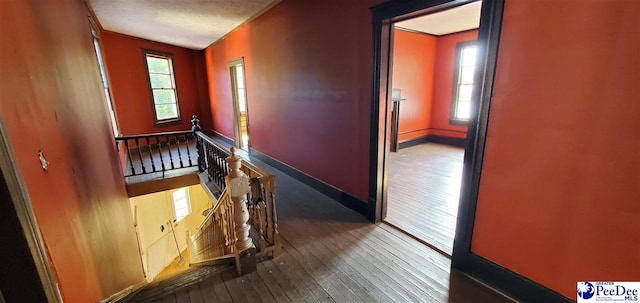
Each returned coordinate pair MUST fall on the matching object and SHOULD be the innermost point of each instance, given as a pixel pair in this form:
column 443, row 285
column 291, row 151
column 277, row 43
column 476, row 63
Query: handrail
column 215, row 237
column 139, row 136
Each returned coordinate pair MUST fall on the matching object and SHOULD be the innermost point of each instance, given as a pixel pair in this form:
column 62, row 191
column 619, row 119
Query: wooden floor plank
column 423, row 192
column 182, row 296
column 220, row 289
column 331, row 254
column 373, row 275
column 234, row 287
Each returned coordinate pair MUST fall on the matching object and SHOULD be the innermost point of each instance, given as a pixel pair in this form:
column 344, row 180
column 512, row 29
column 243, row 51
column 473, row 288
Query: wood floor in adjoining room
column 423, row 192
column 332, row 254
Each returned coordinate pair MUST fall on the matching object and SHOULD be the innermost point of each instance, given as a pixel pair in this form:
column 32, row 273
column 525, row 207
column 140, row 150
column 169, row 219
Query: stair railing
column 247, row 201
column 159, row 152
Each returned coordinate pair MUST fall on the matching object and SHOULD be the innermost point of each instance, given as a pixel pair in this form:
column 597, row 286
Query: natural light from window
column 464, row 81
column 181, row 203
column 163, row 88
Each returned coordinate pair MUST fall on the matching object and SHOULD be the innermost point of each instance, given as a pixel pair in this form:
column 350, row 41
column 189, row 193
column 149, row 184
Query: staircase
column 239, row 229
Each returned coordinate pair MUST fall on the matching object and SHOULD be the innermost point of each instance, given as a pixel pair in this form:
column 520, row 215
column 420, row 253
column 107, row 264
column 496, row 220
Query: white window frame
column 459, row 82
column 173, row 87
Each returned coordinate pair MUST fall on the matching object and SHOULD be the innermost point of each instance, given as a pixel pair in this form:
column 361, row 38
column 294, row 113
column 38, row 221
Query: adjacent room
column 433, row 68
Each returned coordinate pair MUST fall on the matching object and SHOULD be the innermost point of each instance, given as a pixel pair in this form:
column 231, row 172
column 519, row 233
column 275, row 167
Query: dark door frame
column 463, row 259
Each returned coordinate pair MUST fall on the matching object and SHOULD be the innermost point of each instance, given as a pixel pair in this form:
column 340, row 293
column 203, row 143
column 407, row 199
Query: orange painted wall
column 130, row 88
column 308, row 80
column 559, row 197
column 51, row 100
column 443, row 85
column 414, row 57
column 423, row 67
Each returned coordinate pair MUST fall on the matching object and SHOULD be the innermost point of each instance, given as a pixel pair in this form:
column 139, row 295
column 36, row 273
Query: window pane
column 469, row 56
column 181, row 204
column 464, row 92
column 166, row 111
column 164, row 96
column 242, row 102
column 158, row 65
column 467, row 75
column 160, row 81
column 239, row 76
column 463, row 110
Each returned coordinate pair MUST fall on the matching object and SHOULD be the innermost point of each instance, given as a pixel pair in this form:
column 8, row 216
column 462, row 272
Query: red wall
column 443, row 85
column 423, row 67
column 308, row 80
column 130, row 88
column 414, row 57
column 51, row 100
column 559, row 195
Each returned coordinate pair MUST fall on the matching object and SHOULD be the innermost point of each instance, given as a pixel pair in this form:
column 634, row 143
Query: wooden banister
column 159, row 152
column 246, row 200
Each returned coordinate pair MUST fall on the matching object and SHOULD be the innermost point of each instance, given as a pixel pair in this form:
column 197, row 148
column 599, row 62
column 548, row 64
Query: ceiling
column 455, row 20
column 193, row 24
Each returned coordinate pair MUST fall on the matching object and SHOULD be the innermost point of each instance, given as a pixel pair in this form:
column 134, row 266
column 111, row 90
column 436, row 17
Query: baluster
column 153, row 163
column 188, row 148
column 144, row 170
column 126, row 145
column 179, row 153
column 268, row 218
column 274, row 218
column 160, row 153
column 211, row 167
column 169, row 150
column 195, row 128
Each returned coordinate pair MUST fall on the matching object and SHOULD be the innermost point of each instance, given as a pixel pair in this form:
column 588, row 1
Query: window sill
column 458, row 122
column 167, row 122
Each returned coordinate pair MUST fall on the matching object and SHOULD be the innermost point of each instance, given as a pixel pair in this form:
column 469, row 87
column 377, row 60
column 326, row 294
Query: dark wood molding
column 414, row 142
column 460, row 32
column 434, row 128
column 408, row 30
column 508, row 282
column 433, row 35
column 220, row 136
column 460, row 142
column 330, row 191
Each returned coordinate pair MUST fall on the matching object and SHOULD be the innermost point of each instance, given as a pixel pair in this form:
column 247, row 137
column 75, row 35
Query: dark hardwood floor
column 423, row 192
column 332, row 254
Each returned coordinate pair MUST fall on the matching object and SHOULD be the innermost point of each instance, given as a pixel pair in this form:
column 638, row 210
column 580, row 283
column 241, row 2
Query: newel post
column 238, row 186
column 195, row 128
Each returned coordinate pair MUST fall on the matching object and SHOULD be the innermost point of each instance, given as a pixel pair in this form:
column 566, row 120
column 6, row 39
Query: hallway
column 332, row 254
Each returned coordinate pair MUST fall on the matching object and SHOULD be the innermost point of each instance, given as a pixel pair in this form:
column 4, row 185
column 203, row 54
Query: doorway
column 432, row 69
column 25, row 273
column 383, row 18
column 239, row 96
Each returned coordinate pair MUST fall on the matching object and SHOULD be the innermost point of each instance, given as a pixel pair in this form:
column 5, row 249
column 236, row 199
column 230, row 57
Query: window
column 162, row 86
column 463, row 82
column 181, row 203
column 103, row 76
column 239, row 95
